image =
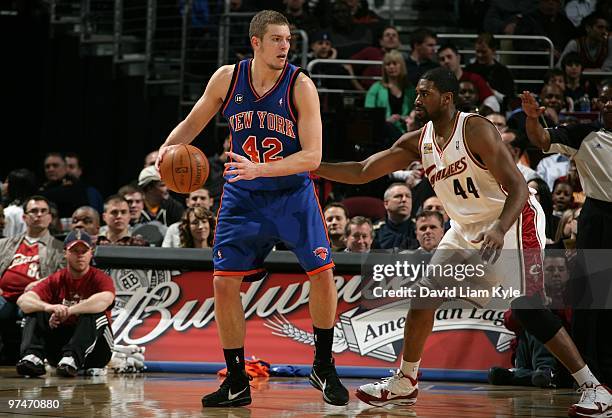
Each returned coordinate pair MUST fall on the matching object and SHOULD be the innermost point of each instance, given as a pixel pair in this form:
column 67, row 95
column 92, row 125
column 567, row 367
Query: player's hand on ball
column 241, row 168
column 492, row 240
column 530, row 105
column 160, row 154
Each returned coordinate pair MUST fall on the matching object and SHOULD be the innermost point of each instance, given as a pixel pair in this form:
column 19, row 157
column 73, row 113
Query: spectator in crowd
column 362, row 15
column 322, row 47
column 552, row 167
column 567, row 229
column 197, row 228
column 24, row 259
column 595, row 47
column 150, row 159
column 517, row 144
column 359, row 234
column 117, row 218
column 573, row 179
column 135, row 198
column 74, row 168
column 556, row 76
column 299, row 16
column 577, row 10
column 56, row 227
column 562, row 197
column 498, row 120
column 397, row 231
column 86, row 219
column 65, row 191
column 433, row 203
column 157, row 208
column 467, row 100
column 67, row 318
column 336, row 218
column 498, row 76
column 429, row 230
column 215, row 180
column 534, row 365
column 348, row 37
column 503, row 15
column 388, row 40
column 449, row 57
column 18, row 186
column 576, row 86
column 197, row 198
column 394, row 93
column 423, row 55
column 552, row 102
column 544, row 196
column 547, row 20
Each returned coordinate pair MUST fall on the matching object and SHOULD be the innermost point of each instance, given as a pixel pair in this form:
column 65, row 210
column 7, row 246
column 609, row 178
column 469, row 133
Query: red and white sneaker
column 596, row 401
column 398, row 389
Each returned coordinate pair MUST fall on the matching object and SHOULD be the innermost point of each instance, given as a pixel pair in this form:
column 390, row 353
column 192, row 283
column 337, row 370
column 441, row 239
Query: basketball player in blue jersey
column 273, row 112
column 466, row 162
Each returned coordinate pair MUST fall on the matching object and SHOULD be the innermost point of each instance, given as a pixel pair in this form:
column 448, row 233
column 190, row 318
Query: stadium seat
column 370, row 207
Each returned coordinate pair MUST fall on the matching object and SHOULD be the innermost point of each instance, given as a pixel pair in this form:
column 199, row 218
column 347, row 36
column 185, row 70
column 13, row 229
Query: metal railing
column 549, row 52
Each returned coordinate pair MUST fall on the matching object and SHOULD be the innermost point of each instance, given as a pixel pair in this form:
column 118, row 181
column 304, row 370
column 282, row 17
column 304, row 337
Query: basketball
column 184, row 168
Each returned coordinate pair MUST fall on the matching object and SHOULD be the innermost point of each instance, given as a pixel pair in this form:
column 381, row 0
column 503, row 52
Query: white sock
column 584, row 375
column 409, row 368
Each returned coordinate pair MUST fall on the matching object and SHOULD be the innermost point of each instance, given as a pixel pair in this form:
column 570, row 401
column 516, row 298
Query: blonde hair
column 395, row 56
column 259, row 23
column 566, row 217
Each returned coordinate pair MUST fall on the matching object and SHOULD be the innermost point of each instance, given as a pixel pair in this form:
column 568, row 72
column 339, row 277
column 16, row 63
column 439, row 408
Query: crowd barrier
column 165, row 303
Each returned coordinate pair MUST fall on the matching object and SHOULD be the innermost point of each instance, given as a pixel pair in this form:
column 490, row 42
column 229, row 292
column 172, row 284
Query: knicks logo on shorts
column 219, row 255
column 321, row 252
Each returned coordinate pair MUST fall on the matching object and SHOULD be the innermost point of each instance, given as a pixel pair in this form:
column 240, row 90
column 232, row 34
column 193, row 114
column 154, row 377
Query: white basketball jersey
column 468, row 191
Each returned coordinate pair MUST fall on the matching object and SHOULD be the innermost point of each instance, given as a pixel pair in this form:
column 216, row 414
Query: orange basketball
column 184, row 168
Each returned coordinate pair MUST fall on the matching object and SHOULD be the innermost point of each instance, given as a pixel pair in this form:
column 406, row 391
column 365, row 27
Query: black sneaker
column 543, row 378
column 31, row 365
column 500, row 376
column 325, row 378
column 67, row 367
column 234, row 391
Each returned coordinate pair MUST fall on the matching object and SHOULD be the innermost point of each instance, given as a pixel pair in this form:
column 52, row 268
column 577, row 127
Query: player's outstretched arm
column 398, row 157
column 202, row 112
column 483, row 140
column 536, row 133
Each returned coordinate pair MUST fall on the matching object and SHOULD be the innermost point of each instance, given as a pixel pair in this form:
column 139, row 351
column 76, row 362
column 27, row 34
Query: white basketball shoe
column 596, row 401
column 398, row 389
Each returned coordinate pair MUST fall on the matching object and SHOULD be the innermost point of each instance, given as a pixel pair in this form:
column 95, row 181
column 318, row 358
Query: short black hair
column 591, row 19
column 444, row 80
column 419, row 36
column 571, row 58
column 448, row 45
column 553, row 72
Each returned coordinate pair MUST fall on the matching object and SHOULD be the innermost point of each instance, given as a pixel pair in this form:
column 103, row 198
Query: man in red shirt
column 68, row 315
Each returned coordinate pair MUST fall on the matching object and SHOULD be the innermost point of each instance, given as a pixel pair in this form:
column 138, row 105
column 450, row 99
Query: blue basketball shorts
column 250, row 223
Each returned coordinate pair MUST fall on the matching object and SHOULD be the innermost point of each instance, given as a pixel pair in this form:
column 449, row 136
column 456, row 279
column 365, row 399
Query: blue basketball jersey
column 263, row 128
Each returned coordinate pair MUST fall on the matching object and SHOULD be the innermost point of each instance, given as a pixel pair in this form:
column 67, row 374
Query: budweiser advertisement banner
column 172, row 315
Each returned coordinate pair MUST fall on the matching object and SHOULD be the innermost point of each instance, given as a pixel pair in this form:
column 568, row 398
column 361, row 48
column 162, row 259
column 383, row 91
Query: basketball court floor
column 178, row 395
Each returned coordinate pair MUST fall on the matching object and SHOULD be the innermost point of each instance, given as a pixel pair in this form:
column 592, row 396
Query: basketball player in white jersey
column 490, row 208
